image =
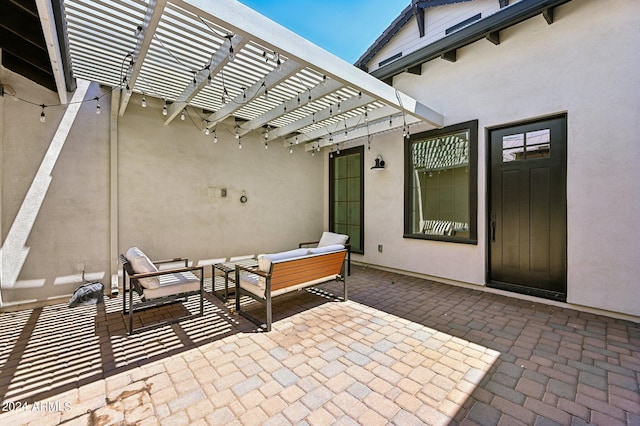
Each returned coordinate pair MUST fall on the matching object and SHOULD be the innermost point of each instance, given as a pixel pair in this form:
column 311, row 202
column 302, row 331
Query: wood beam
column 494, row 37
column 318, row 92
column 450, row 56
column 346, row 105
column 337, row 130
column 244, row 20
column 548, row 15
column 152, row 17
column 273, row 78
column 48, row 23
column 218, row 60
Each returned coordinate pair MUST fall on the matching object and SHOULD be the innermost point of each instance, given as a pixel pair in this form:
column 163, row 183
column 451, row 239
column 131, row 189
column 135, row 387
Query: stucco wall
column 54, row 196
column 584, row 64
column 169, row 203
column 170, row 182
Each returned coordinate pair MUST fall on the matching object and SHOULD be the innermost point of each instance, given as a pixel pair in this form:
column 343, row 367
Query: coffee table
column 228, row 268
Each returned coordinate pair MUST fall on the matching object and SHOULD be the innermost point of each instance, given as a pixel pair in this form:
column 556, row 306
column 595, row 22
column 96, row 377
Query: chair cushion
column 174, row 283
column 264, row 260
column 326, row 249
column 141, row 264
column 330, row 238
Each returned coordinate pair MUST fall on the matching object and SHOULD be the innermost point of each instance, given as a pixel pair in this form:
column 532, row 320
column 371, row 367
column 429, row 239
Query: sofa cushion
column 264, row 260
column 141, row 264
column 331, row 238
column 326, row 249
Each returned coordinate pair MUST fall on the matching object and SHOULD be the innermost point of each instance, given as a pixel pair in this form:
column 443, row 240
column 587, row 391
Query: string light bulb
column 182, row 117
column 215, row 136
column 164, row 108
column 43, row 118
column 144, row 102
column 207, row 131
column 98, row 106
column 339, row 107
column 290, row 150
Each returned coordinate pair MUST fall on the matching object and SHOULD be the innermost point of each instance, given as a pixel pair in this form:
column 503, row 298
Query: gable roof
column 416, row 8
column 446, row 47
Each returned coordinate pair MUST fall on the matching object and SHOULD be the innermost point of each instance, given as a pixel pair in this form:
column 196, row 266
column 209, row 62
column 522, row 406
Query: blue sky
column 345, row 28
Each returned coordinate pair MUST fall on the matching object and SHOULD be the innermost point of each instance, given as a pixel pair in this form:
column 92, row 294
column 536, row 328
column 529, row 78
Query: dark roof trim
column 414, row 9
column 505, row 18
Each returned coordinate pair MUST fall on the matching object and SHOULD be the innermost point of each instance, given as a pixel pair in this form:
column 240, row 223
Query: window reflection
column 441, row 185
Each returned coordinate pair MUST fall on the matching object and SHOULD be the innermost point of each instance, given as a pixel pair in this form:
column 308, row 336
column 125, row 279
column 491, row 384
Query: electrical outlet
column 223, row 192
column 380, row 248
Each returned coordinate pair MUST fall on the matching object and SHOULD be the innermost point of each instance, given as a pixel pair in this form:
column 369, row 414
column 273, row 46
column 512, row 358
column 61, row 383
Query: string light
column 339, row 107
column 43, row 118
column 144, row 102
column 266, row 145
column 232, row 55
column 164, row 108
column 98, row 106
column 290, row 150
column 138, row 30
column 215, row 135
column 182, row 117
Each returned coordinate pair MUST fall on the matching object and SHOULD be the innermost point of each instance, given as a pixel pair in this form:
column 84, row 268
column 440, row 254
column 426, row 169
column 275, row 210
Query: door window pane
column 527, row 146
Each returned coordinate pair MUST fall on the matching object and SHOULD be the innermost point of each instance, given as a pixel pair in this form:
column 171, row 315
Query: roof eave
column 505, row 18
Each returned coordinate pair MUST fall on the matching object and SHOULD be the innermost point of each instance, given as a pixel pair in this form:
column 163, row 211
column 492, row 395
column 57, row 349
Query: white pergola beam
column 155, row 9
column 273, row 78
column 357, row 133
column 346, row 105
column 319, row 91
column 48, row 23
column 351, row 123
column 242, row 19
column 218, row 60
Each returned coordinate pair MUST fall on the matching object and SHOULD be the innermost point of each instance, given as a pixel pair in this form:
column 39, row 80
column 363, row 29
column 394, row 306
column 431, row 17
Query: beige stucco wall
column 168, row 199
column 584, row 64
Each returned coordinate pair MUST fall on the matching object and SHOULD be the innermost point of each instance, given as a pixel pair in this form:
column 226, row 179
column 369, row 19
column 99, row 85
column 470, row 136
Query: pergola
column 215, row 61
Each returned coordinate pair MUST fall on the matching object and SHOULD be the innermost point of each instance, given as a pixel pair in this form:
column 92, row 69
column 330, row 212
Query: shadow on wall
column 15, row 250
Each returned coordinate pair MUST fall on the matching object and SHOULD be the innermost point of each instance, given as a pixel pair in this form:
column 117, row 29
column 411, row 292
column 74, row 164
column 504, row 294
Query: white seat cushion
column 170, row 284
column 141, row 264
column 330, row 238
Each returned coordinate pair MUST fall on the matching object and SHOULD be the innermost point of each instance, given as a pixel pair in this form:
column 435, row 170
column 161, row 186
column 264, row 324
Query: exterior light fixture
column 379, row 163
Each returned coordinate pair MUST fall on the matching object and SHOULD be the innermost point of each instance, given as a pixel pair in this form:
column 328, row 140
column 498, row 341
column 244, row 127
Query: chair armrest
column 176, row 259
column 308, row 243
column 167, row 272
column 252, row 270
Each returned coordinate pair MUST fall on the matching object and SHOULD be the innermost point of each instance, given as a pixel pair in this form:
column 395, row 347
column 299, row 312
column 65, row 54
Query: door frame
column 488, row 172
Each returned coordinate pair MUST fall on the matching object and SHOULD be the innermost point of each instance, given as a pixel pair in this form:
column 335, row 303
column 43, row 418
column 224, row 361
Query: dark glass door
column 527, row 212
column 346, row 199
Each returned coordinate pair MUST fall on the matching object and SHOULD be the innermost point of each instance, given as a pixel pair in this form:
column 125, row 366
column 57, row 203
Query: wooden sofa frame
column 132, row 279
column 291, row 275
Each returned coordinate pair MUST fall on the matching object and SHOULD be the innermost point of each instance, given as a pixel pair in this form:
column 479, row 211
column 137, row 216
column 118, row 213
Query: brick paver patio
column 402, row 351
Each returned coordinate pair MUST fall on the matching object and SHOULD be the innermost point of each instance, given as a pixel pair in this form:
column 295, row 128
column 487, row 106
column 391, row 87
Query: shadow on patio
column 403, row 350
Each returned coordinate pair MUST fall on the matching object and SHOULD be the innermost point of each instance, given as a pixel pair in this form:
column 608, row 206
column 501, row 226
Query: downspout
column 113, row 191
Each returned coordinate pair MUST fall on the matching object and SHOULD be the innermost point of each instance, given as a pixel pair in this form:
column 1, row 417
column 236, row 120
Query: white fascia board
column 48, row 23
column 242, row 19
column 155, row 9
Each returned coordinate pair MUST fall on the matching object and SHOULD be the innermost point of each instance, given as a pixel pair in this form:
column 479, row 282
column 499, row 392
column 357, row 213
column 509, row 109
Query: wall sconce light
column 379, row 165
